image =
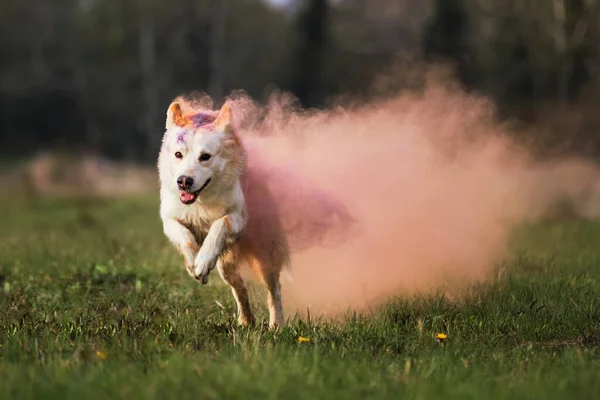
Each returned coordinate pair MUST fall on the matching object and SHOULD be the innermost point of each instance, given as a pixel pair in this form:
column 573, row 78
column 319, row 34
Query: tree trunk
column 149, row 85
column 560, row 42
column 218, row 52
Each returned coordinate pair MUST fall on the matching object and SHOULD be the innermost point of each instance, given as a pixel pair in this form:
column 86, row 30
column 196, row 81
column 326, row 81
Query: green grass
column 94, row 303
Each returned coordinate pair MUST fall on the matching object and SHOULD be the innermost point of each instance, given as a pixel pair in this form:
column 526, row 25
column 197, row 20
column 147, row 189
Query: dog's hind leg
column 274, row 302
column 229, row 271
column 270, row 277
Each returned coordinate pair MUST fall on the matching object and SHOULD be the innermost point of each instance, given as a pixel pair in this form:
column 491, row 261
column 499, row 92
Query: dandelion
column 100, row 355
column 440, row 337
column 303, row 339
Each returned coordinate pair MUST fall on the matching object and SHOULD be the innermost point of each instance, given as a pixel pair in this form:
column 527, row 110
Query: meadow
column 95, row 303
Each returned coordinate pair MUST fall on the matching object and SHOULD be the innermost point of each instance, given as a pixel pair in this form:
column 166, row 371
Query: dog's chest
column 199, row 219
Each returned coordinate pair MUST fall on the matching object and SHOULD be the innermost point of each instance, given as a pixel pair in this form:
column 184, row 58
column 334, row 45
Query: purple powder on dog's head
column 181, row 136
column 198, row 121
column 202, row 119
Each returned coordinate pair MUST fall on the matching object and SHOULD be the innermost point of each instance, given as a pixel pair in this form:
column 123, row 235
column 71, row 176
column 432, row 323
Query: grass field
column 94, row 303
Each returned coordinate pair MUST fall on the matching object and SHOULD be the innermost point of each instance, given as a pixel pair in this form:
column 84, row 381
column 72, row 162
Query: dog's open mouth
column 190, row 197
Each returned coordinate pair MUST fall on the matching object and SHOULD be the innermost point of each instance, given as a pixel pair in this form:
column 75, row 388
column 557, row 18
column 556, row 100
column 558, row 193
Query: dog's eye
column 178, row 155
column 205, row 157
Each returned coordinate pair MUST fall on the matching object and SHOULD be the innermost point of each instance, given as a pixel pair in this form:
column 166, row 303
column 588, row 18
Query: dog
column 216, row 212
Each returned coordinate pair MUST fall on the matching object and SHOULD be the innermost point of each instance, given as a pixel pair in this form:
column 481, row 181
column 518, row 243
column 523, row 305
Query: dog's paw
column 190, row 270
column 203, row 265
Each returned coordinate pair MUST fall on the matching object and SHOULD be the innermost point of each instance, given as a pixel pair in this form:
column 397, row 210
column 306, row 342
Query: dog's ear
column 224, row 119
column 175, row 116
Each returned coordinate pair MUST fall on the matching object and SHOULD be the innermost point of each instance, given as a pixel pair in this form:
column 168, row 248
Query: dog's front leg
column 221, row 231
column 185, row 241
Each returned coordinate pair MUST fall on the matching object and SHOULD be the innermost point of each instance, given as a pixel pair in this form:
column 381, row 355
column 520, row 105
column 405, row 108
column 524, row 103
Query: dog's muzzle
column 185, row 196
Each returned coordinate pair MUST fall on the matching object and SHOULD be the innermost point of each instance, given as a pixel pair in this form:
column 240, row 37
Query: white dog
column 216, row 212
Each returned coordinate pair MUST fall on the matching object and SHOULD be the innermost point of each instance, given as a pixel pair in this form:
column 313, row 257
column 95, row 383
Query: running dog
column 214, row 211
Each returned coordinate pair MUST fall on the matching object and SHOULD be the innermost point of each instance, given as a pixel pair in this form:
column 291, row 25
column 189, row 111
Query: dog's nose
column 185, row 182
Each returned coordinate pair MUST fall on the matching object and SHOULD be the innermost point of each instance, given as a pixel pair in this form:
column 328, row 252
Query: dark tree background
column 310, row 53
column 97, row 75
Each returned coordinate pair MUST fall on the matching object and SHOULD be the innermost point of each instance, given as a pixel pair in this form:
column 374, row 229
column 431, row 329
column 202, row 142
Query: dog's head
column 201, row 154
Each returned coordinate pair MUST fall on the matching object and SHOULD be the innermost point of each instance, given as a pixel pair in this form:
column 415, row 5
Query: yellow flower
column 100, row 355
column 303, row 339
column 440, row 337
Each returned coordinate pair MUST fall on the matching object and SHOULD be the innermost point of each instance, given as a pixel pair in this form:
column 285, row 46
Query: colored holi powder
column 201, row 119
column 181, row 136
column 434, row 184
column 198, row 120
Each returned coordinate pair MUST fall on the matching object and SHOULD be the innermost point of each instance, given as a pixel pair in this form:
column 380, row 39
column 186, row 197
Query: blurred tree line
column 98, row 75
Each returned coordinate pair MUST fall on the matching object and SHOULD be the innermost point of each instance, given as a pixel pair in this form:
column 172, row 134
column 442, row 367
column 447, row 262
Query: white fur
column 222, row 199
column 209, row 232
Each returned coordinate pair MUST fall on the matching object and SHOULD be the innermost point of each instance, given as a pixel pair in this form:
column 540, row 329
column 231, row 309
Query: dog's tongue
column 186, row 196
